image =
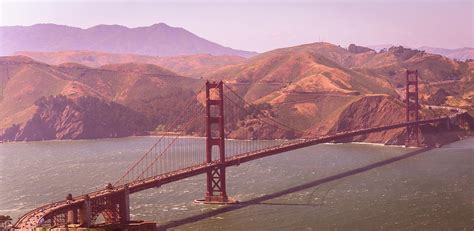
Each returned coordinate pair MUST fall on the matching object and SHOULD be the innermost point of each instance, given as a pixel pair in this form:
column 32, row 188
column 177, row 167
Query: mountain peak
column 158, row 39
column 160, row 24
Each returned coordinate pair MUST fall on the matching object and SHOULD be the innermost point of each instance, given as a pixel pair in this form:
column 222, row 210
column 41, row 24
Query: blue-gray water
column 291, row 191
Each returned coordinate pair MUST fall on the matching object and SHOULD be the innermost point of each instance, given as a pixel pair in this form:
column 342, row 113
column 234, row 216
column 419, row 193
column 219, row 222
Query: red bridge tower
column 216, row 187
column 412, row 108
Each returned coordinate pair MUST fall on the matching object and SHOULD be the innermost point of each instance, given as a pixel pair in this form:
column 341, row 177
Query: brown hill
column 435, row 72
column 185, row 65
column 85, row 117
column 314, row 68
column 305, row 85
column 325, row 68
column 318, row 87
column 129, row 92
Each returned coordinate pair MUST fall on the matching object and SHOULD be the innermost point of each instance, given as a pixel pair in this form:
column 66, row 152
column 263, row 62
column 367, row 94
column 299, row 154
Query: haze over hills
column 156, row 40
column 186, row 65
column 319, row 88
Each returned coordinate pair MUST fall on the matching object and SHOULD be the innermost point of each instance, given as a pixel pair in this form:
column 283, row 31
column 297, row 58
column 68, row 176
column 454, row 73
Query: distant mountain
column 156, row 40
column 461, row 54
column 186, row 65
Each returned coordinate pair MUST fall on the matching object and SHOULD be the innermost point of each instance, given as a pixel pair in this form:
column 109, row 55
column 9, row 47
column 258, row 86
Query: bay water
column 323, row 187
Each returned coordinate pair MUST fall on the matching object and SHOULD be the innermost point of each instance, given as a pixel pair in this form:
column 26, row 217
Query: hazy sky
column 265, row 25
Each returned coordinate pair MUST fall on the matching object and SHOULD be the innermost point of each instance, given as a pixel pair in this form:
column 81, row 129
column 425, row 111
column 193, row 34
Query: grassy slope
column 306, row 85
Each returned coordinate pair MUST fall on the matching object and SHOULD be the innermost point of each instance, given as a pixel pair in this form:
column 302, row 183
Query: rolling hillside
column 67, row 98
column 186, row 65
column 317, row 88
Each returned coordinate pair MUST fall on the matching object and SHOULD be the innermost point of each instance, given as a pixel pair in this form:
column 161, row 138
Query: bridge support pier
column 71, row 214
column 85, row 213
column 124, row 207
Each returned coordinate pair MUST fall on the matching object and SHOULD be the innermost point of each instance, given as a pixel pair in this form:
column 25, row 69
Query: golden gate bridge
column 172, row 158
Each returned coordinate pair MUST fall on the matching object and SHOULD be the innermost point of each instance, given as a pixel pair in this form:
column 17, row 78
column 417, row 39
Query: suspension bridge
column 221, row 113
